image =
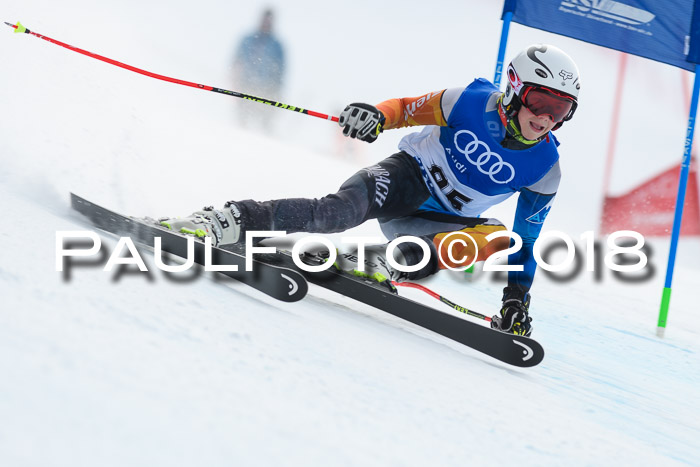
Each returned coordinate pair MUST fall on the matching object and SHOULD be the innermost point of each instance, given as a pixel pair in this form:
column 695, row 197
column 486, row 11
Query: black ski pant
column 392, row 188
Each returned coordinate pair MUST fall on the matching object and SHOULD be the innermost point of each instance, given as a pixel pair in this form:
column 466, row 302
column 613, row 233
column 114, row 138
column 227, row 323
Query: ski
column 509, row 348
column 279, row 282
column 278, row 276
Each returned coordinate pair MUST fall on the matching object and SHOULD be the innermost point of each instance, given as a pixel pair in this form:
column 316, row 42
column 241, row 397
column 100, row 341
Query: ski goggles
column 545, row 102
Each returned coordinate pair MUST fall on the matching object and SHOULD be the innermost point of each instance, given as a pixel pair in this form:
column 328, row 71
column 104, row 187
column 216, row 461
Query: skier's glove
column 361, row 121
column 514, row 316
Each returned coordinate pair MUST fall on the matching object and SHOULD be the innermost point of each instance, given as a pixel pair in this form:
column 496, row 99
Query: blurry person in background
column 258, row 69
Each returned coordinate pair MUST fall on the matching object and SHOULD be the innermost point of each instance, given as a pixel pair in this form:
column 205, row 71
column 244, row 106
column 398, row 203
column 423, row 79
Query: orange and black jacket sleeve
column 413, row 111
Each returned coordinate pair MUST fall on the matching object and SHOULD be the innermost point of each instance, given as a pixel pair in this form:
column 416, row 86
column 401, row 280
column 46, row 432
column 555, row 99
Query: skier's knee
column 466, row 246
column 342, row 210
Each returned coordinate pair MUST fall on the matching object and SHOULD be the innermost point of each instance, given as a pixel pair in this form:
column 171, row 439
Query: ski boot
column 514, row 318
column 376, row 267
column 222, row 226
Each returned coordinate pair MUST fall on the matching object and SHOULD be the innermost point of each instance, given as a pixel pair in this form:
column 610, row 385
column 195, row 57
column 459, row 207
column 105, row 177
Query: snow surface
column 137, row 369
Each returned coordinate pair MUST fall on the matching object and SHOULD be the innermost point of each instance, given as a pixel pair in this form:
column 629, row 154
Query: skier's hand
column 361, row 121
column 514, row 317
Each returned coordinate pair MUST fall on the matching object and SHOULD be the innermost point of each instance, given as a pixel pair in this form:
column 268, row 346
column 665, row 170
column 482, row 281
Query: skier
column 477, row 148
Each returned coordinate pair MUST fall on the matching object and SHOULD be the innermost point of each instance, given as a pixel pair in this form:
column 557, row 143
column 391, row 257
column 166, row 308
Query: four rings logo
column 504, row 170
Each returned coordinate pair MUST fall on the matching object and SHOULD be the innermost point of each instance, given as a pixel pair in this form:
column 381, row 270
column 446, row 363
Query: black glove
column 361, row 121
column 514, row 316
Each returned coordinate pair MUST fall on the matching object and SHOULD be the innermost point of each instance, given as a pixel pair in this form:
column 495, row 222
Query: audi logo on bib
column 499, row 171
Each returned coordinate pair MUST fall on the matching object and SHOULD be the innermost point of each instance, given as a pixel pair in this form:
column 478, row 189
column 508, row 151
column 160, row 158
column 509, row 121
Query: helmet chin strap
column 513, row 129
column 511, row 123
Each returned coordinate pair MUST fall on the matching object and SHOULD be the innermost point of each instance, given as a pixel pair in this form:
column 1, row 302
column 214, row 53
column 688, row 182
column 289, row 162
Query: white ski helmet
column 547, row 69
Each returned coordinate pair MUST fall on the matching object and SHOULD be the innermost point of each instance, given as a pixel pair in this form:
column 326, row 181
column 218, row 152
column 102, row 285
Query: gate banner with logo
column 667, row 31
column 659, row 30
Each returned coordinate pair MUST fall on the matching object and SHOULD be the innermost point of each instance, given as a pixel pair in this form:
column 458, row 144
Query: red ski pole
column 19, row 28
column 444, row 300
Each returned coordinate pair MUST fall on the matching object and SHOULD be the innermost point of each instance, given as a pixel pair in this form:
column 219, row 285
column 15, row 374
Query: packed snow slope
column 128, row 368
